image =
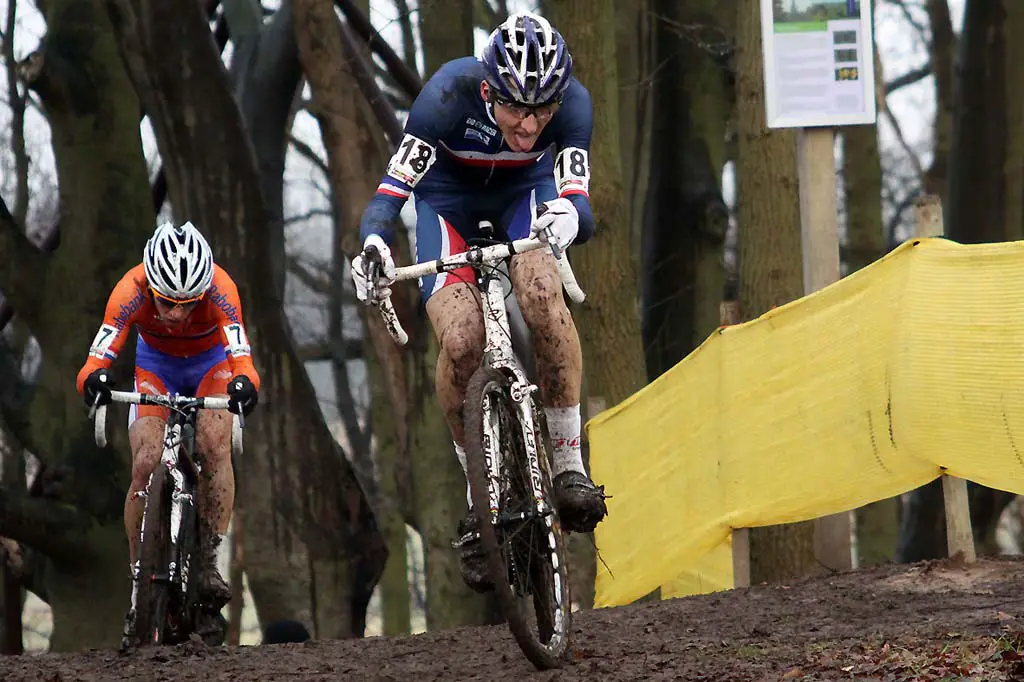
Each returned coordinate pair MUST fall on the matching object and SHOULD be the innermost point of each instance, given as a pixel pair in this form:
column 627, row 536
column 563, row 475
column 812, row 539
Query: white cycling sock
column 564, row 429
column 460, row 452
column 221, row 551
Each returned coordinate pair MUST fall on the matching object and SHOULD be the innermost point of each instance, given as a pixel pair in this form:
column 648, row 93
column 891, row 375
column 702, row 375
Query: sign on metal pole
column 818, row 62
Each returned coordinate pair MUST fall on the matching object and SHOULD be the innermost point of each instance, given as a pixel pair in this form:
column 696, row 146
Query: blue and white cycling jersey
column 456, row 163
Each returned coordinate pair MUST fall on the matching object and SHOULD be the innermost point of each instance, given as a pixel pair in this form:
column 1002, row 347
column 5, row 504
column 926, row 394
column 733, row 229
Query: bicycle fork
column 498, row 353
column 169, row 460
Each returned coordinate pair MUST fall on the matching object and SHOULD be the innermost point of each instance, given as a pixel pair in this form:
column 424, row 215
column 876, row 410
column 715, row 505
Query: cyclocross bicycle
column 165, row 608
column 508, row 457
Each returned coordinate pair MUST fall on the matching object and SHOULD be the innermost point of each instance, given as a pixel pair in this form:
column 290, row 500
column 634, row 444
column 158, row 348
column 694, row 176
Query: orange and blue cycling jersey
column 197, row 357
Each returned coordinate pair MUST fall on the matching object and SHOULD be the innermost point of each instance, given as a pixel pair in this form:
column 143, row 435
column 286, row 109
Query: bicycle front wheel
column 153, row 586
column 522, row 540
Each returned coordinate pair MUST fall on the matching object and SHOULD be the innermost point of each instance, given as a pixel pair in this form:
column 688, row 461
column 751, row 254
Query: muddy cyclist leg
column 216, row 481
column 146, row 435
column 458, row 323
column 557, row 352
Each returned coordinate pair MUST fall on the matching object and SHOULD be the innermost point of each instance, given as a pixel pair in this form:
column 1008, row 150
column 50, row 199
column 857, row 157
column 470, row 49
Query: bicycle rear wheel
column 524, row 547
column 153, row 587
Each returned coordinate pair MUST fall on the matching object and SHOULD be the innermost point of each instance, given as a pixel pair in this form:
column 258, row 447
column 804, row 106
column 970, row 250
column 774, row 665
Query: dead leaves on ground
column 964, row 658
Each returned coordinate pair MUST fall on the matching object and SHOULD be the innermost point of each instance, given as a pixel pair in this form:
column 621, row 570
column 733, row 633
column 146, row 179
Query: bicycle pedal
column 465, row 540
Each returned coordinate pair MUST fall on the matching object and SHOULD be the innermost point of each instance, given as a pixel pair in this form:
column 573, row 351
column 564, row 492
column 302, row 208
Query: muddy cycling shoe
column 214, row 592
column 472, row 560
column 212, row 628
column 579, row 502
column 129, row 638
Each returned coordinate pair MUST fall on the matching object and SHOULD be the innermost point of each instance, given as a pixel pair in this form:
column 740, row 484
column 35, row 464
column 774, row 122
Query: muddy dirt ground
column 929, row 621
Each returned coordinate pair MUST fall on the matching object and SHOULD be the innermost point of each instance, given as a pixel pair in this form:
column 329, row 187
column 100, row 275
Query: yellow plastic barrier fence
column 877, row 384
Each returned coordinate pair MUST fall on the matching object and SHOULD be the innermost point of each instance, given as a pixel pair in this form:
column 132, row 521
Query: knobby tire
column 153, row 588
column 548, row 581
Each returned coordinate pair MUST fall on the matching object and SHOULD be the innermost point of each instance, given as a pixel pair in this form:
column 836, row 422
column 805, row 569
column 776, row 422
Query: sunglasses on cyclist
column 173, row 303
column 542, row 112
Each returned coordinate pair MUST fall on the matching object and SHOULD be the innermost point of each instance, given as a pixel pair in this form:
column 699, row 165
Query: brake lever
column 372, row 263
column 556, row 250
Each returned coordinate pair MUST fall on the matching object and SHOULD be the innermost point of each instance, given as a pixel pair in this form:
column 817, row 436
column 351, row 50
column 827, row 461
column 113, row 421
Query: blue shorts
column 204, row 374
column 446, row 221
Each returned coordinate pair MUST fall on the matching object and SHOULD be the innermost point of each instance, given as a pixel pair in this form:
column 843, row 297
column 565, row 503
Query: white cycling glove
column 563, row 220
column 387, row 274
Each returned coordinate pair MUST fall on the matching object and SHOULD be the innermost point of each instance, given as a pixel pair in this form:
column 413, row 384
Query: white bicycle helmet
column 178, row 262
column 527, row 61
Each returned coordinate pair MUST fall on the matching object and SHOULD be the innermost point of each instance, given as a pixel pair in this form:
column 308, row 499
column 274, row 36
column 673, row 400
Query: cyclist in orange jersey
column 191, row 341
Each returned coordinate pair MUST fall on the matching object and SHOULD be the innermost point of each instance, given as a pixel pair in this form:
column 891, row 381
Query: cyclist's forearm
column 582, row 204
column 90, row 366
column 243, row 365
column 380, row 215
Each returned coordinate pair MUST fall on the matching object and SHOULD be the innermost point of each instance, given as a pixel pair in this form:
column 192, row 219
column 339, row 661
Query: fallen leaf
column 794, row 672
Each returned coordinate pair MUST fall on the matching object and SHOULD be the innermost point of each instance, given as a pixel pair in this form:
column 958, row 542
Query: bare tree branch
column 919, row 27
column 407, row 78
column 311, row 213
column 488, row 15
column 21, row 263
column 408, row 42
column 308, row 152
column 315, row 278
column 17, row 104
column 362, row 73
column 909, row 78
column 56, row 529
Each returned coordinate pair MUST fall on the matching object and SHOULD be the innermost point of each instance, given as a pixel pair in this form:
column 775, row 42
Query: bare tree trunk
column 80, row 79
column 877, row 523
column 394, row 584
column 439, row 484
column 941, row 51
column 635, row 50
column 446, row 32
column 322, row 553
column 236, row 576
column 975, row 205
column 11, row 593
column 606, row 266
column 770, row 266
column 684, row 231
column 1013, row 212
column 16, row 102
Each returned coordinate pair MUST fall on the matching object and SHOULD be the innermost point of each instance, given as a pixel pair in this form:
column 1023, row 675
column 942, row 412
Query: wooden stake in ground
column 959, row 537
column 820, row 241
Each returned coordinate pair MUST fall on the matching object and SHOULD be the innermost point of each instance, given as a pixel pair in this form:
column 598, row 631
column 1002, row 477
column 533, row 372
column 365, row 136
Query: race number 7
column 238, row 343
column 100, row 347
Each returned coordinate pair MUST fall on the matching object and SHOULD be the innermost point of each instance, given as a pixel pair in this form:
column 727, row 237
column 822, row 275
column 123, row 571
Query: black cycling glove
column 99, row 384
column 242, row 395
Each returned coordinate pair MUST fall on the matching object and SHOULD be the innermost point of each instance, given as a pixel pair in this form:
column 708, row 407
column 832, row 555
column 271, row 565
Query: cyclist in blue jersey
column 494, row 138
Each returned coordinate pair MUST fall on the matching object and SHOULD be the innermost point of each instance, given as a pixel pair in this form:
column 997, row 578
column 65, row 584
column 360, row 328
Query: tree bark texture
column 319, row 554
column 770, row 266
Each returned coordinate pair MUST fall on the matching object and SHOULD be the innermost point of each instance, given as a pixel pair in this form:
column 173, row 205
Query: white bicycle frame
column 168, row 459
column 498, row 352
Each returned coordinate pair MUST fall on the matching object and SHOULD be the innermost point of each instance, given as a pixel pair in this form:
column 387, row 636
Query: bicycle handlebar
column 475, row 256
column 98, row 413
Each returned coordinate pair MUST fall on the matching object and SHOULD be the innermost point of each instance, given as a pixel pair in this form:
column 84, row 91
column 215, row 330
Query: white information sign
column 818, row 62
